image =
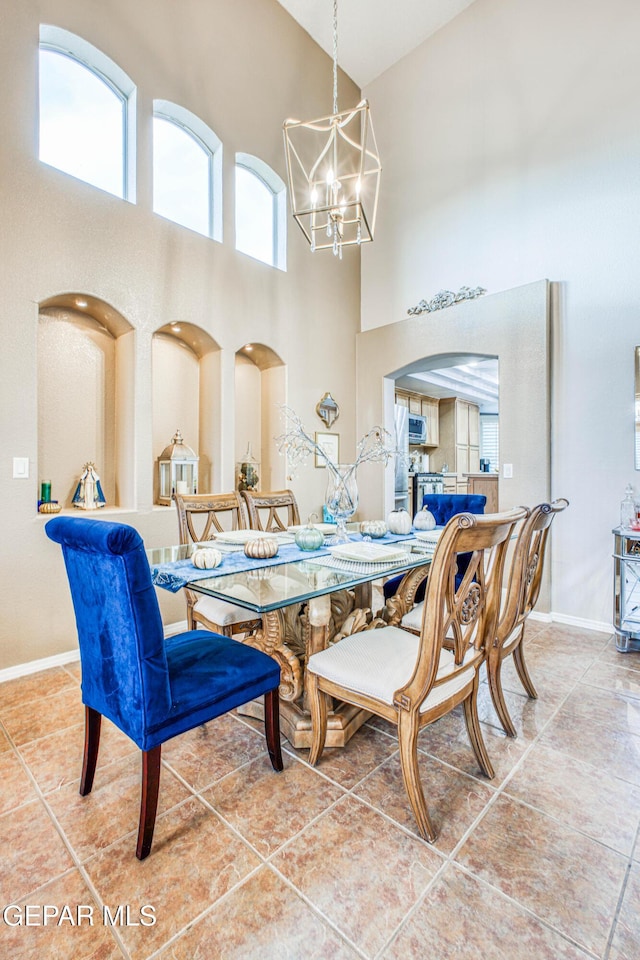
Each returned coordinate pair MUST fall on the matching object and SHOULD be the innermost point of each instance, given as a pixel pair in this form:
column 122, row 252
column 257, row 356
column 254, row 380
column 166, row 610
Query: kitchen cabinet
column 426, row 407
column 487, row 484
column 450, row 483
column 430, row 410
column 459, row 435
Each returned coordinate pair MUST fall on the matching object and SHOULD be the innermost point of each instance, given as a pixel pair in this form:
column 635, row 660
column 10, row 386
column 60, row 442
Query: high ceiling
column 372, row 34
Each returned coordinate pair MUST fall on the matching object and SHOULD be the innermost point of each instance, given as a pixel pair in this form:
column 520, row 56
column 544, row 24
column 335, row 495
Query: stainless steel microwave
column 417, row 428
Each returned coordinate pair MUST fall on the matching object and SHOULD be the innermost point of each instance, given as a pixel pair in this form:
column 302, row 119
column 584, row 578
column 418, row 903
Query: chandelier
column 333, row 170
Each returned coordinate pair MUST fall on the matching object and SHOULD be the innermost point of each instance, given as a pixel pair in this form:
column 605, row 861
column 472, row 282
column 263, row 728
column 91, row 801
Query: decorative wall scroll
column 445, row 298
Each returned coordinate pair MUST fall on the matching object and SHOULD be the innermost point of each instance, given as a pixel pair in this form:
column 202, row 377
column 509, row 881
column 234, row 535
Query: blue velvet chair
column 443, row 506
column 151, row 688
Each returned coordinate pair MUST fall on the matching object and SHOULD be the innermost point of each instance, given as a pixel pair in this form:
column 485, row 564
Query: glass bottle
column 627, row 509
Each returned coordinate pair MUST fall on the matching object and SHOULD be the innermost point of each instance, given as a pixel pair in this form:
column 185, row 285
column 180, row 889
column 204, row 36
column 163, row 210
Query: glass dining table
column 303, row 601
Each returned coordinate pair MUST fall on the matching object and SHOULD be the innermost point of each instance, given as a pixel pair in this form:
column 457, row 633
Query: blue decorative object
column 443, row 506
column 326, row 516
column 150, row 687
column 309, row 537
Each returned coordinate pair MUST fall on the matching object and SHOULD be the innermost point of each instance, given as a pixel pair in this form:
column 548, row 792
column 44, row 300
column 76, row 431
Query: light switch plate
column 507, row 471
column 21, row 468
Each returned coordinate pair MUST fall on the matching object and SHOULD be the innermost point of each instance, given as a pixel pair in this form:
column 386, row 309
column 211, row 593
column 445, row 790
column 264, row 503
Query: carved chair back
column 271, row 512
column 201, row 516
column 525, row 575
column 463, row 616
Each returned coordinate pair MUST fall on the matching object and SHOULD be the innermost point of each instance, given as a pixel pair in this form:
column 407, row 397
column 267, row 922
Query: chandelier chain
column 335, row 57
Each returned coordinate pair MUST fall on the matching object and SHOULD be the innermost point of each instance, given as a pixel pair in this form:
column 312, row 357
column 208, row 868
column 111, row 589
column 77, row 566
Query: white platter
column 240, row 536
column 429, row 536
column 367, row 553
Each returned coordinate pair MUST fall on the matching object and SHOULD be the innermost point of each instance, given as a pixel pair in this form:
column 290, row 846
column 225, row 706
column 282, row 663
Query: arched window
column 87, row 113
column 187, row 170
column 260, row 211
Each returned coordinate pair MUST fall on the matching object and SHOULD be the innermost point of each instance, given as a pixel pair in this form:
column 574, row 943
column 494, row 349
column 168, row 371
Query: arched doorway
column 453, row 402
column 513, row 326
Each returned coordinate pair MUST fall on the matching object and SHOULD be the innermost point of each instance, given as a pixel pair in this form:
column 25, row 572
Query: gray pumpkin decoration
column 373, row 528
column 261, row 548
column 424, row 520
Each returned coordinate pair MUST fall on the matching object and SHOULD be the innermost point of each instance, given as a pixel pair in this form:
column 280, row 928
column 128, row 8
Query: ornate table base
column 295, row 722
column 291, row 636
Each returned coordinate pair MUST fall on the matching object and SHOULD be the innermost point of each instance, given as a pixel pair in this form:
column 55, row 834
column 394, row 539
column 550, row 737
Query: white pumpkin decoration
column 261, row 548
column 399, row 521
column 206, row 558
column 424, row 520
column 373, row 528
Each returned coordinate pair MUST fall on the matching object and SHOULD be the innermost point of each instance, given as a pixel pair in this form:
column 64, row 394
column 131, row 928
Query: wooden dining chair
column 520, row 597
column 200, row 517
column 150, row 686
column 443, row 506
column 271, row 512
column 414, row 680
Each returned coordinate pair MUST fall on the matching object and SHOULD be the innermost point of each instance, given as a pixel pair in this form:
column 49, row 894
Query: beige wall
column 513, row 326
column 510, row 154
column 243, row 68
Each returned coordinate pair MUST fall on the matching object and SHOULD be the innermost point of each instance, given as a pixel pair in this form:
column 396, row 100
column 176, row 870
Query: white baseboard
column 180, row 626
column 34, row 666
column 71, row 656
column 541, row 617
column 581, row 623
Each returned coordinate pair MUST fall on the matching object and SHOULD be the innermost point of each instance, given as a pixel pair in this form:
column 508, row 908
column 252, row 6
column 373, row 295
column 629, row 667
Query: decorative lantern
column 248, row 471
column 177, row 470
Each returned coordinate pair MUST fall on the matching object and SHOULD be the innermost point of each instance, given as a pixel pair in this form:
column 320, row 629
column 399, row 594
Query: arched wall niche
column 260, row 390
column 513, row 326
column 85, row 351
column 186, row 393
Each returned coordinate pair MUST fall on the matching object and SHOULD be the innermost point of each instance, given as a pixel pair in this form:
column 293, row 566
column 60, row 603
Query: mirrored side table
column 626, row 589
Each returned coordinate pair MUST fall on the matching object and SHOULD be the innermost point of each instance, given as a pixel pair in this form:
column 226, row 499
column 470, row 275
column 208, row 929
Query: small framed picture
column 329, row 443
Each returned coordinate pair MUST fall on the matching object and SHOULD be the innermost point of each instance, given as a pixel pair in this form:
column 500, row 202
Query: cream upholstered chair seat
column 225, row 612
column 222, row 612
column 377, row 663
column 413, row 619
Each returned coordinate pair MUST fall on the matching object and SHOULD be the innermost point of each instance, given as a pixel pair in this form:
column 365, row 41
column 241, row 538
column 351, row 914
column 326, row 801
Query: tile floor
column 542, row 862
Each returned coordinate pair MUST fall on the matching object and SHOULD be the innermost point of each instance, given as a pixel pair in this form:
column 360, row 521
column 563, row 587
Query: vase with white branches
column 341, row 497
